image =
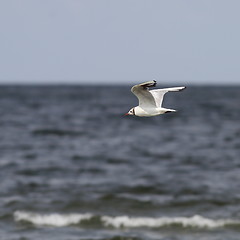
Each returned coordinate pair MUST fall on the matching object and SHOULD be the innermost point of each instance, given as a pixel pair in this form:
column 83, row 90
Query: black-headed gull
column 150, row 102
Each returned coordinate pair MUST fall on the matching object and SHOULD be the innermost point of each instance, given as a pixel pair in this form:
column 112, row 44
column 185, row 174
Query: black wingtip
column 182, row 88
column 148, row 84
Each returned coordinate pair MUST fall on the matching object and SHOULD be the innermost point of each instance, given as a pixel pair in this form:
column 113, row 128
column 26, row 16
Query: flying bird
column 150, row 101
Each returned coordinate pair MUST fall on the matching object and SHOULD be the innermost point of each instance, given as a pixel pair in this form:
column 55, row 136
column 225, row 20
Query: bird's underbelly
column 148, row 112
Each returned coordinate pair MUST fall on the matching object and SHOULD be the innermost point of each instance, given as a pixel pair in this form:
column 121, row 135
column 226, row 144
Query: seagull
column 150, row 101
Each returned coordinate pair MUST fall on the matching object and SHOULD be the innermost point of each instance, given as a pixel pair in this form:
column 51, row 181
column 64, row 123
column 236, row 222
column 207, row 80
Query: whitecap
column 54, row 219
column 61, row 220
column 194, row 222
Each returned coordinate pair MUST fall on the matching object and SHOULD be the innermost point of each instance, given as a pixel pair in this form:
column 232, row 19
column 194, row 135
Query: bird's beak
column 126, row 114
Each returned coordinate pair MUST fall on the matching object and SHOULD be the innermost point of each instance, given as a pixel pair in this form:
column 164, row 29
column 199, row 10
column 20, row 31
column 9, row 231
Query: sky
column 120, row 41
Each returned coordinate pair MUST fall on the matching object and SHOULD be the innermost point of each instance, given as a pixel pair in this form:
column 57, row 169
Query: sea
column 73, row 167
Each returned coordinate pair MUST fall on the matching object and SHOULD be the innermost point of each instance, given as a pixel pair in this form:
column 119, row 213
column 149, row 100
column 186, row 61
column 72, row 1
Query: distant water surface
column 74, row 167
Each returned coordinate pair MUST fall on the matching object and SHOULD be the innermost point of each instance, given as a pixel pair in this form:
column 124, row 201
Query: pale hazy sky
column 120, row 41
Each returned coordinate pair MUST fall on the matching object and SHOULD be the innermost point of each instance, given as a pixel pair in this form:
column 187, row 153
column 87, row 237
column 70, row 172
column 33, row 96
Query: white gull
column 150, row 101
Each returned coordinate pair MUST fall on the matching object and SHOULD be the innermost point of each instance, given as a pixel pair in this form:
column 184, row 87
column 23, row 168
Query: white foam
column 61, row 220
column 54, row 219
column 195, row 221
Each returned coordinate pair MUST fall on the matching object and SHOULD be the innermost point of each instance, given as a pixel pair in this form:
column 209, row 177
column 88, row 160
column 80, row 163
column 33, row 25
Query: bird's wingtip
column 184, row 87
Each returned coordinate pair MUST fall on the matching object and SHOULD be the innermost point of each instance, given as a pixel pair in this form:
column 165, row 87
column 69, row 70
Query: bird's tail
column 167, row 110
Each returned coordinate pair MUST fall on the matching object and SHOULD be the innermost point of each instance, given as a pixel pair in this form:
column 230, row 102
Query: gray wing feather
column 158, row 94
column 145, row 98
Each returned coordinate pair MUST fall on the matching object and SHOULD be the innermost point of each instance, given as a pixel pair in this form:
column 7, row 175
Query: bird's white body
column 150, row 102
column 150, row 112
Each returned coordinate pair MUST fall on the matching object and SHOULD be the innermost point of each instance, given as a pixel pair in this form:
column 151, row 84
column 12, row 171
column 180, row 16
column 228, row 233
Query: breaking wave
column 54, row 219
column 61, row 220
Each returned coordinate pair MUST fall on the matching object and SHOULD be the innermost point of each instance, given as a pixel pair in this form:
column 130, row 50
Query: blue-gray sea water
column 73, row 167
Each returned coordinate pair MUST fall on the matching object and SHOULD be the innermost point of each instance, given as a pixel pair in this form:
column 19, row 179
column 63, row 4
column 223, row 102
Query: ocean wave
column 56, row 132
column 195, row 221
column 61, row 220
column 54, row 219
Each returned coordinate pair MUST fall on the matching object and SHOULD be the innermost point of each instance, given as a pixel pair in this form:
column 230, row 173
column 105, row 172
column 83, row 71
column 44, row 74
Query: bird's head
column 131, row 112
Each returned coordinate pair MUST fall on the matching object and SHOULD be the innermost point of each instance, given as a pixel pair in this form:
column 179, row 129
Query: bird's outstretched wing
column 146, row 99
column 158, row 94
